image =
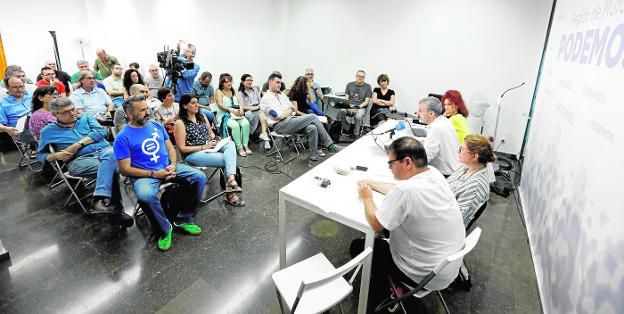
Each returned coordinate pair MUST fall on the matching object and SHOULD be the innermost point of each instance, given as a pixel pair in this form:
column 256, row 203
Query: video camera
column 173, row 66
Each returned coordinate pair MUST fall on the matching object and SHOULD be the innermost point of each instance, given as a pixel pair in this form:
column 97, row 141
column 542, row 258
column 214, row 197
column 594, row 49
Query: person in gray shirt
column 359, row 94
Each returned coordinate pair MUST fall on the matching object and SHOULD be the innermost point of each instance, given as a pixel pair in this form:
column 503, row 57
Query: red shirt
column 60, row 88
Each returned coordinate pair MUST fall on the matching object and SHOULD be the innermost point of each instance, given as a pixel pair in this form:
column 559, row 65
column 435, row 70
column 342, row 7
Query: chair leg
column 443, row 302
column 279, row 300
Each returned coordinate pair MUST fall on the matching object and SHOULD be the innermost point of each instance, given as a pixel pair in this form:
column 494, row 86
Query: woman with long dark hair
column 231, row 115
column 251, row 104
column 41, row 116
column 302, row 96
column 194, row 136
column 131, row 77
column 455, row 110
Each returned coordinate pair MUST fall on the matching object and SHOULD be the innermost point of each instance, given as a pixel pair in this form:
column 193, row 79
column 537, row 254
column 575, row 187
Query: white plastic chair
column 419, row 291
column 314, row 285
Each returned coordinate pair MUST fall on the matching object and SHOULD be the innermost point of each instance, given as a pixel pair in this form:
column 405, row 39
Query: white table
column 340, row 201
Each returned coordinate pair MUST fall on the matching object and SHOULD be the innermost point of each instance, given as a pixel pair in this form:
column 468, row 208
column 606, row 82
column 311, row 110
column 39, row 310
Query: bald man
column 104, row 63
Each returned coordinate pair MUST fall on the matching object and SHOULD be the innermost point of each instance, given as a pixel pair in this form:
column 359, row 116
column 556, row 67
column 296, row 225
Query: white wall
column 480, row 48
column 573, row 163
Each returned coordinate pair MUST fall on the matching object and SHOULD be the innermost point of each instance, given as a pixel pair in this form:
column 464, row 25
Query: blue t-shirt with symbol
column 144, row 146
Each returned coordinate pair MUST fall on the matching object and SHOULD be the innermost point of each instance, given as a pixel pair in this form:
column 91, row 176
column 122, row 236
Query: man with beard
column 145, row 154
column 80, row 141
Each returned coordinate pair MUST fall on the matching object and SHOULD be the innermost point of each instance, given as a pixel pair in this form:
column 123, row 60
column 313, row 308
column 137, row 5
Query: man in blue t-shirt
column 145, row 154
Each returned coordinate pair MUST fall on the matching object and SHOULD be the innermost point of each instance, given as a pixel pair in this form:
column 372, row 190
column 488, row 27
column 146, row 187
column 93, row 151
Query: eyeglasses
column 360, row 76
column 144, row 92
column 309, row 74
column 90, row 78
column 249, row 80
column 71, row 111
column 48, row 74
column 392, row 161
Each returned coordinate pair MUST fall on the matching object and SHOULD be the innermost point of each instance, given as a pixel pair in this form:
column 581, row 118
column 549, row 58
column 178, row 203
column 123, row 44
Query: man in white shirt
column 154, row 80
column 114, row 85
column 441, row 142
column 422, row 215
column 279, row 113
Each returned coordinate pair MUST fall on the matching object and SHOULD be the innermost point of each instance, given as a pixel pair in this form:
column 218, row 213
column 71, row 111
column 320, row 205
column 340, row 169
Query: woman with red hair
column 455, row 110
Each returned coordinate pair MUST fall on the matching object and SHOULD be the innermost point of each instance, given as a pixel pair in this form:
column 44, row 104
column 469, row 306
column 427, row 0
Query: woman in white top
column 470, row 183
column 251, row 103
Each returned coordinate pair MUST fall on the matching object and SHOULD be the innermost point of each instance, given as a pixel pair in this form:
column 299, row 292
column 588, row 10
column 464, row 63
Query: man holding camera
column 185, row 77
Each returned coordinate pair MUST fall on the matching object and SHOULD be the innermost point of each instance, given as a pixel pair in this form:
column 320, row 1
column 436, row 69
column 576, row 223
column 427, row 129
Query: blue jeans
column 224, row 158
column 102, row 162
column 208, row 114
column 146, row 191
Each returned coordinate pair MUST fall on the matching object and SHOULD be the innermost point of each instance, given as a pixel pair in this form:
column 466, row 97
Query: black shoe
column 101, row 206
column 122, row 219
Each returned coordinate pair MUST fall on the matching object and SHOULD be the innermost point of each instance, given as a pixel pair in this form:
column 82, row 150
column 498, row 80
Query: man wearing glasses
column 154, row 80
column 359, row 94
column 48, row 78
column 14, row 105
column 315, row 88
column 92, row 100
column 80, row 141
column 422, row 215
column 114, row 85
column 441, row 143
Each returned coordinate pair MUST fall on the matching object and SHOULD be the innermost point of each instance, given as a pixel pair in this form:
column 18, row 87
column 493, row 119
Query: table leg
column 282, row 232
column 366, row 271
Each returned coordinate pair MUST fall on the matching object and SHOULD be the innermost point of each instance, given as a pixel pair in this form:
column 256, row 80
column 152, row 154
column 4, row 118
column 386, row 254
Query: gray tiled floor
column 66, row 262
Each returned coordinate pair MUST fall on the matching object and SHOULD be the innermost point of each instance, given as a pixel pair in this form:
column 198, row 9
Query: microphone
column 505, row 92
column 399, row 126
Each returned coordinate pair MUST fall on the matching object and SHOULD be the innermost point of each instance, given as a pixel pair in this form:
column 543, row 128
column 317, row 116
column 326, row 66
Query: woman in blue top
column 230, row 114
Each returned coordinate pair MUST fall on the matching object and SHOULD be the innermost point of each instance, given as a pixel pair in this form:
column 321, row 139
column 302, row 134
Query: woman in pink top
column 41, row 114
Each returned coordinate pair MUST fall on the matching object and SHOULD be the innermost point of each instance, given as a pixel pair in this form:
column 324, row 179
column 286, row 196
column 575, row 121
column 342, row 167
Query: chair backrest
column 477, row 215
column 469, row 244
column 339, row 272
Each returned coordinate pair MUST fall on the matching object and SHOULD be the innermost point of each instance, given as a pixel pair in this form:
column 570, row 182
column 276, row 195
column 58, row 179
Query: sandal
column 248, row 151
column 232, row 187
column 236, row 202
column 242, row 152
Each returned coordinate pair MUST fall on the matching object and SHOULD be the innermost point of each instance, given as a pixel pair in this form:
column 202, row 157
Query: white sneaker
column 264, row 137
column 321, row 153
column 267, row 145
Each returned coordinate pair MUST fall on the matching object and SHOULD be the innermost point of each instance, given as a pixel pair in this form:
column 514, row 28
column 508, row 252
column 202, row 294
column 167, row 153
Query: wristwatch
column 82, row 144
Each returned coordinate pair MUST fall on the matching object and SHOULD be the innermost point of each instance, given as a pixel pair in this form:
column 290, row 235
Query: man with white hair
column 83, row 65
column 154, row 80
column 441, row 143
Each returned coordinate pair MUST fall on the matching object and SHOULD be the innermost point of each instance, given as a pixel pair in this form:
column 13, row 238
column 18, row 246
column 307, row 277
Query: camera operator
column 186, row 75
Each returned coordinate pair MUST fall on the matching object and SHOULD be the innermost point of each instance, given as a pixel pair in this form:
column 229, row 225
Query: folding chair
column 463, row 278
column 205, row 169
column 64, row 176
column 293, row 140
column 419, row 291
column 314, row 285
column 24, row 149
column 138, row 210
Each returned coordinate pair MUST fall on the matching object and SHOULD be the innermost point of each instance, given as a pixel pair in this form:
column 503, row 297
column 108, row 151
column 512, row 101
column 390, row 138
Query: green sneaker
column 332, row 148
column 164, row 244
column 191, row 229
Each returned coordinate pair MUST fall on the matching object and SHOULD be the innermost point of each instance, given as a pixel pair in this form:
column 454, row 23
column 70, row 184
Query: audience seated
column 455, row 110
column 383, row 99
column 302, row 97
column 265, row 86
column 470, row 182
column 204, row 92
column 90, row 99
column 48, row 77
column 114, row 85
column 315, row 89
column 154, row 80
column 83, row 65
column 422, row 216
column 104, row 63
column 41, row 115
column 194, row 135
column 145, row 154
column 16, row 71
column 251, row 104
column 231, row 116
column 80, row 141
column 167, row 112
column 60, row 75
column 120, row 119
column 441, row 143
column 280, row 112
column 359, row 94
column 130, row 78
column 15, row 104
